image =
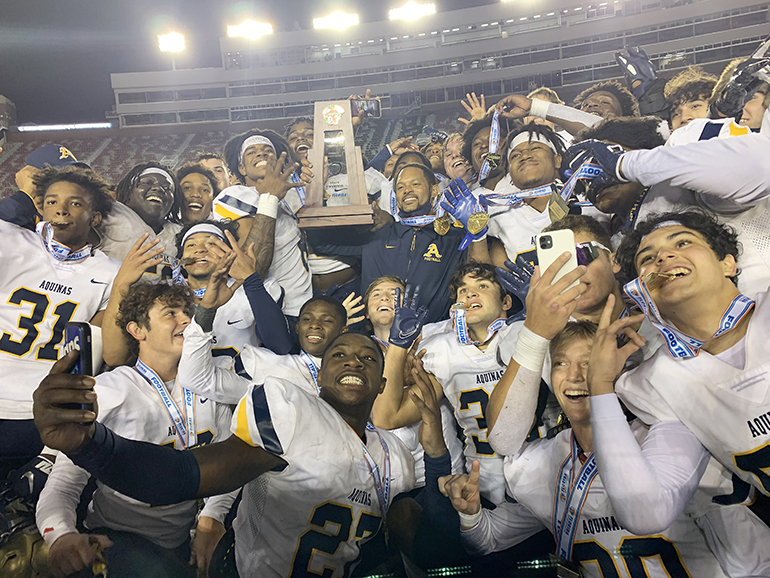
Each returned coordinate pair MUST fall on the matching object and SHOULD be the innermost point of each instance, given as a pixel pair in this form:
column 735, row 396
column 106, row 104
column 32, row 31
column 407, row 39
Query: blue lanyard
column 57, row 250
column 508, row 199
column 570, row 497
column 184, row 425
column 681, row 345
column 312, row 368
column 461, row 326
column 586, row 171
column 494, row 142
column 381, row 484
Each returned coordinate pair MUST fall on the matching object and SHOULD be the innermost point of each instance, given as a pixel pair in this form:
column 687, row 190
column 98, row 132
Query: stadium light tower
column 338, row 20
column 250, row 29
column 172, row 42
column 412, row 11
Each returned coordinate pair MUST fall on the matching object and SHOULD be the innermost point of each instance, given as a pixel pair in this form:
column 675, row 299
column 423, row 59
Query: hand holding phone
column 550, row 246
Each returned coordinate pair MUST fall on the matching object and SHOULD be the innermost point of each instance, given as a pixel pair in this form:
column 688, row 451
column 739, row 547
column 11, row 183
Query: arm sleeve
column 570, row 114
column 19, row 209
column 734, row 169
column 378, row 162
column 499, row 529
column 56, row 508
column 514, row 422
column 199, row 374
column 175, row 475
column 217, row 507
column 340, row 242
column 269, row 322
column 649, row 486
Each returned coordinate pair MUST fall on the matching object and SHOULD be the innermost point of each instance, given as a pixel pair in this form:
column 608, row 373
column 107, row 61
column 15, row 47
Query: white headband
column 255, row 140
column 527, row 137
column 203, row 228
column 157, row 171
column 671, row 223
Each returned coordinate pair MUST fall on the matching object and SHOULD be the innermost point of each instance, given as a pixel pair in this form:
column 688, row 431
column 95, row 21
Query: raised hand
column 381, row 218
column 141, row 257
column 218, row 292
column 743, row 83
column 408, row 318
column 469, row 211
column 463, row 490
column 353, row 306
column 305, row 174
column 608, row 157
column 607, row 359
column 477, row 108
column 514, row 106
column 423, row 395
column 550, row 306
column 638, row 68
column 515, row 279
column 62, row 429
column 276, row 180
column 402, row 145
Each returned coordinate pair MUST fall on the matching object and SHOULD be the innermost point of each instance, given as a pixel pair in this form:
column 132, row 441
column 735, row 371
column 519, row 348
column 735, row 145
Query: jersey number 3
column 28, row 323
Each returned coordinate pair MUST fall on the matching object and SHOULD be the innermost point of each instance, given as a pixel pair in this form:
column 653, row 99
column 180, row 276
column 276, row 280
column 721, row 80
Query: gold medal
column 493, row 160
column 441, row 224
column 477, row 222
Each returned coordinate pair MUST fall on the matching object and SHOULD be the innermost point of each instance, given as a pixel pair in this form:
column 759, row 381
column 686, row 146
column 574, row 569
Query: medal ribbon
column 384, row 344
column 494, row 142
column 57, row 250
column 461, row 327
column 570, row 496
column 381, row 484
column 680, row 345
column 184, row 425
column 508, row 199
column 312, row 368
column 418, row 220
column 300, row 190
column 587, row 170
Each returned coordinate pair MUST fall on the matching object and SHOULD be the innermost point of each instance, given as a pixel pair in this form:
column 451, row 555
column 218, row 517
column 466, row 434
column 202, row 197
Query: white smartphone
column 550, row 247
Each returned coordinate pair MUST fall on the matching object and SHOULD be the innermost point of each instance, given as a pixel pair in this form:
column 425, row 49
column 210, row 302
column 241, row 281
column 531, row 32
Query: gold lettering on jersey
column 599, row 525
column 360, row 497
column 760, row 425
column 432, row 254
column 55, row 287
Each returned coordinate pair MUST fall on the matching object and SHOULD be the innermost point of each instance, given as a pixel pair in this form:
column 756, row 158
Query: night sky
column 56, row 57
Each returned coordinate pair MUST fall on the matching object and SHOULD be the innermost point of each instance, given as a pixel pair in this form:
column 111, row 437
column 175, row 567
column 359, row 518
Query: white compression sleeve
column 649, row 486
column 505, row 526
column 569, row 114
column 55, row 514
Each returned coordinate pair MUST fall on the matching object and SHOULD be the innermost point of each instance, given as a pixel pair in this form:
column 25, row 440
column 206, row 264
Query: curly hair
column 126, row 185
column 197, row 167
column 722, row 239
column 88, row 179
column 233, row 149
column 141, row 297
column 630, row 132
column 628, row 104
column 582, row 224
column 295, row 122
column 693, row 83
column 477, row 271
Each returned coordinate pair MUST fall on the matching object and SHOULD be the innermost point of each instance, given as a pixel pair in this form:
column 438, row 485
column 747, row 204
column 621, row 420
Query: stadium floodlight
column 250, row 29
column 171, row 42
column 338, row 20
column 75, row 126
column 412, row 11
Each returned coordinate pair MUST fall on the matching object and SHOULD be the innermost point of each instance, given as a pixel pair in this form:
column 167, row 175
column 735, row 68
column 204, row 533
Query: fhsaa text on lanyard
column 312, row 368
column 570, row 496
column 461, row 326
column 183, row 424
column 381, row 484
column 681, row 345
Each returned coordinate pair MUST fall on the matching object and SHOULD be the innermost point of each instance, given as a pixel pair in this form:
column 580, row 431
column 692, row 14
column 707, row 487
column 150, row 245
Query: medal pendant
column 493, row 160
column 477, row 222
column 441, row 224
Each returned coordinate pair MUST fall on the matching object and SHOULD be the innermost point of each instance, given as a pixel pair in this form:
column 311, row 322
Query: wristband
column 469, row 521
column 539, row 108
column 530, row 350
column 268, row 205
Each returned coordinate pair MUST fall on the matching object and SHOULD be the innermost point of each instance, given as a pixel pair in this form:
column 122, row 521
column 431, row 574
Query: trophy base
column 339, row 216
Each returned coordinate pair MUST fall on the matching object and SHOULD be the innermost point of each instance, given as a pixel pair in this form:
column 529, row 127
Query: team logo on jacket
column 432, row 254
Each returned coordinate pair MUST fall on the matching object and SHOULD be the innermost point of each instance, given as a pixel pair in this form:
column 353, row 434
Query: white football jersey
column 727, row 409
column 312, row 516
column 468, row 376
column 601, row 545
column 122, row 228
column 289, row 265
column 130, row 407
column 39, row 295
column 234, row 325
column 516, row 227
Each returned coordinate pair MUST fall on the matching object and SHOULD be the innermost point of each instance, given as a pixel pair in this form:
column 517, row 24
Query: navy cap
column 55, row 155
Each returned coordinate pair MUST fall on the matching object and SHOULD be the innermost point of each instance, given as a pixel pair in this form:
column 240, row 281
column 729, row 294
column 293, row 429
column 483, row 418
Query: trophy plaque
column 336, row 196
